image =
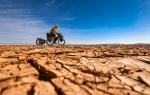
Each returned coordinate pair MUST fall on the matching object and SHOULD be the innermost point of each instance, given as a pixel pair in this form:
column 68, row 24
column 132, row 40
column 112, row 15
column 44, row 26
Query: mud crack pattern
column 75, row 70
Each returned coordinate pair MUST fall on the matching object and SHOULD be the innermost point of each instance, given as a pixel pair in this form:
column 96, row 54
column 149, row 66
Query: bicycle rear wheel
column 39, row 41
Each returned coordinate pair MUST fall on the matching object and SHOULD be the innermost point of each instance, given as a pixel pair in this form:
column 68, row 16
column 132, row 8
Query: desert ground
column 75, row 70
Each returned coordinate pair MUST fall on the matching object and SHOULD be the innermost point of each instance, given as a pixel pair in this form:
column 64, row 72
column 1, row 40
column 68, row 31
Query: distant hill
column 141, row 43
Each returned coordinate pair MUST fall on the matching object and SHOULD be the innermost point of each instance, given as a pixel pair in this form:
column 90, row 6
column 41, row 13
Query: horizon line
column 79, row 44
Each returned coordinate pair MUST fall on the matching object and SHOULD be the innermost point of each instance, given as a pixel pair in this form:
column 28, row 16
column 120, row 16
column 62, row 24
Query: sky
column 80, row 21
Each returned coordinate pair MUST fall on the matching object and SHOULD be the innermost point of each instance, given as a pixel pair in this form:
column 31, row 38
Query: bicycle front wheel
column 61, row 42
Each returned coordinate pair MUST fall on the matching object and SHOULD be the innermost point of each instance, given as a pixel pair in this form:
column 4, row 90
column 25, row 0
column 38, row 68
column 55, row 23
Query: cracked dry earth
column 75, row 70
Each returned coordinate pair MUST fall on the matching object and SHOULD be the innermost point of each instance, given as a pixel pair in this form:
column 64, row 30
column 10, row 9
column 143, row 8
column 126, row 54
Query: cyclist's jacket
column 53, row 30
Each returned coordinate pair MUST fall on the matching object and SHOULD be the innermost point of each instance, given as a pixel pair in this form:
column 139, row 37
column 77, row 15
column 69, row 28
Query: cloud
column 18, row 25
column 66, row 18
column 110, row 35
column 21, row 29
column 51, row 3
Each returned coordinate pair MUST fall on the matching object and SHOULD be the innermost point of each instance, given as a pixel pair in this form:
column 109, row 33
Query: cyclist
column 53, row 33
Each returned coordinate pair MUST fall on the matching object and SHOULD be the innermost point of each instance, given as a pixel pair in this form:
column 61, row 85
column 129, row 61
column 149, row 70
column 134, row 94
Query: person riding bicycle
column 53, row 33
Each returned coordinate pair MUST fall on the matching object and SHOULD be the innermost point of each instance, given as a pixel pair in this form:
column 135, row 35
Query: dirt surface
column 75, row 70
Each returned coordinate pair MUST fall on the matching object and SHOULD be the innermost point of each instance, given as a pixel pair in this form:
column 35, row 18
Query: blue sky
column 80, row 21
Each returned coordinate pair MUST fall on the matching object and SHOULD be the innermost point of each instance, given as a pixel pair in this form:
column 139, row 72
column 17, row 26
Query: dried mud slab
column 75, row 70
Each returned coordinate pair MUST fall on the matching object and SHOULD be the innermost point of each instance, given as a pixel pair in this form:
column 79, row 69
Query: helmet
column 56, row 26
